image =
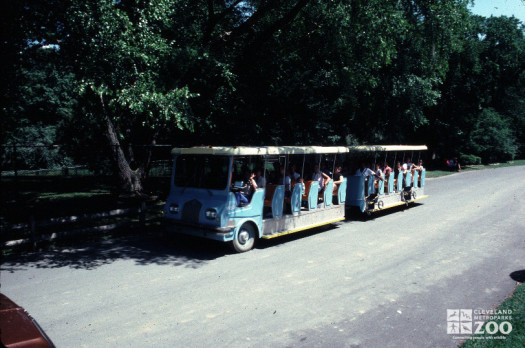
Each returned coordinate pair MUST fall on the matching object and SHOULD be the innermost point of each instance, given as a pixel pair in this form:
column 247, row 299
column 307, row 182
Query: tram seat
column 415, row 180
column 381, row 187
column 307, row 185
column 370, row 186
column 399, row 181
column 390, row 183
column 278, row 201
column 295, row 199
column 270, row 190
column 311, row 194
column 408, row 178
column 327, row 194
column 339, row 196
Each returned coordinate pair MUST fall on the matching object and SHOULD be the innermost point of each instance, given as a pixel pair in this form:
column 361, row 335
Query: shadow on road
column 354, row 214
column 153, row 247
column 275, row 242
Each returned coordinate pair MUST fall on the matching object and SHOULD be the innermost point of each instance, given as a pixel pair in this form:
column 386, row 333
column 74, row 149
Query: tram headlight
column 211, row 214
column 174, row 208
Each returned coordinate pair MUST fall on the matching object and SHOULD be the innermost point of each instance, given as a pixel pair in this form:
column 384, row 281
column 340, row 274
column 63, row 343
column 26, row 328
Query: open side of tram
column 209, row 197
column 403, row 183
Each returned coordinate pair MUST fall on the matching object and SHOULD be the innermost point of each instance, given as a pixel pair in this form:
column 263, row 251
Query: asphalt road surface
column 383, row 282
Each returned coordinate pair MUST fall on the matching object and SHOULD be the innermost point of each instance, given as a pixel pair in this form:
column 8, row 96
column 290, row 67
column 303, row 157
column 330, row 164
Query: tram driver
column 243, row 196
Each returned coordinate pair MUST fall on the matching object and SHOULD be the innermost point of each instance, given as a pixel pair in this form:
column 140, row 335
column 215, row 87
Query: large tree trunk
column 131, row 180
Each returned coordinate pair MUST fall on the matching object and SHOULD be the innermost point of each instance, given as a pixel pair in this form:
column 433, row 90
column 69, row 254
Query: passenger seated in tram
column 300, row 181
column 293, row 173
column 408, row 164
column 286, row 181
column 386, row 170
column 321, row 177
column 325, row 170
column 259, row 178
column 420, row 166
column 366, row 172
column 399, row 169
column 378, row 173
column 243, row 196
column 338, row 178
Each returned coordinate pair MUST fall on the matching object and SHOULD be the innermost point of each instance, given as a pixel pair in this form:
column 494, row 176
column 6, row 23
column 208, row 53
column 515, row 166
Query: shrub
column 469, row 159
column 493, row 138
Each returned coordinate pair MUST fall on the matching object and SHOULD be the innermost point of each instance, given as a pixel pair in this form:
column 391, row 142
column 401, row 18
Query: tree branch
column 269, row 31
column 214, row 19
column 247, row 26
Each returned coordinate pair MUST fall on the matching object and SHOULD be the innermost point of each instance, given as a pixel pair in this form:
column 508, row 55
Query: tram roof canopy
column 387, row 148
column 289, row 150
column 260, row 150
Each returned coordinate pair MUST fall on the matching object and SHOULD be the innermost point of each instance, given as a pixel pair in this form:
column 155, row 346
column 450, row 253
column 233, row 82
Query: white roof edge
column 291, row 150
column 388, row 148
column 260, row 150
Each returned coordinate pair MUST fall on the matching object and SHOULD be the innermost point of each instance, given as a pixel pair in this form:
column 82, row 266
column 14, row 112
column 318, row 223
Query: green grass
column 437, row 173
column 516, row 338
column 507, row 164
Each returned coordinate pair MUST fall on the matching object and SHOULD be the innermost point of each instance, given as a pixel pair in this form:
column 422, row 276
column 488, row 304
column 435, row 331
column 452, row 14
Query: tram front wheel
column 244, row 239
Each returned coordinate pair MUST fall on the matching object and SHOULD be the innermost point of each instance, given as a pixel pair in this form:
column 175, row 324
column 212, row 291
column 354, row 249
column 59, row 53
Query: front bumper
column 223, row 234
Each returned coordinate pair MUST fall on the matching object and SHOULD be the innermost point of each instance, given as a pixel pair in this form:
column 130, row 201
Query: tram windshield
column 202, row 171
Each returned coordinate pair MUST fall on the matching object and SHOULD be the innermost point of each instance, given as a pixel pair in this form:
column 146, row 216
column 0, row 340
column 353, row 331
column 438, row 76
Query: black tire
column 245, row 238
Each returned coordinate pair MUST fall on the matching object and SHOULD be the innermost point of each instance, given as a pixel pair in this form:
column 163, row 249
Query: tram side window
column 199, row 171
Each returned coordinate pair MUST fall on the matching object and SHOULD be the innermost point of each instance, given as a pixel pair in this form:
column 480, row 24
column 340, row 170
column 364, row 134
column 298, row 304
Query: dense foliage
column 108, row 74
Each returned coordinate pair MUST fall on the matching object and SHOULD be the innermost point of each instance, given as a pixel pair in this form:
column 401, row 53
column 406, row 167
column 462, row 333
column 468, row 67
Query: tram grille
column 191, row 210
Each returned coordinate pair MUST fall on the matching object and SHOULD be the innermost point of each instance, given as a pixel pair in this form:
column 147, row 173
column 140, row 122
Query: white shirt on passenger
column 319, row 178
column 365, row 172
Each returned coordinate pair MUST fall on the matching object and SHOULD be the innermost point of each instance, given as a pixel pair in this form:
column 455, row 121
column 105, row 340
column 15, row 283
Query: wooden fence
column 35, row 231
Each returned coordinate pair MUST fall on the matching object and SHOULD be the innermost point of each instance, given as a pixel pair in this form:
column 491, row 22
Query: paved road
column 385, row 282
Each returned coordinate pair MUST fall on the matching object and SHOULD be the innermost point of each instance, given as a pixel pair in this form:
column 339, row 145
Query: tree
column 120, row 57
column 492, row 137
column 484, row 74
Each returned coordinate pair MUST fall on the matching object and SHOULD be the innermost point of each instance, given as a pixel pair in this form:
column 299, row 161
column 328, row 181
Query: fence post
column 142, row 213
column 32, row 223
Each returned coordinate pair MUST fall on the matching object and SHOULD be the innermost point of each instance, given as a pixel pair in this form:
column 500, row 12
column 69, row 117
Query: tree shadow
column 151, row 247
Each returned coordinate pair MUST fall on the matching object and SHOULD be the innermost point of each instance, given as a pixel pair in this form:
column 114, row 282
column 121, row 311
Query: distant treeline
column 106, row 74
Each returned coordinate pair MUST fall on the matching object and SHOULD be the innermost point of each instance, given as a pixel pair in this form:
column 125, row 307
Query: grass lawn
column 516, row 338
column 437, row 173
